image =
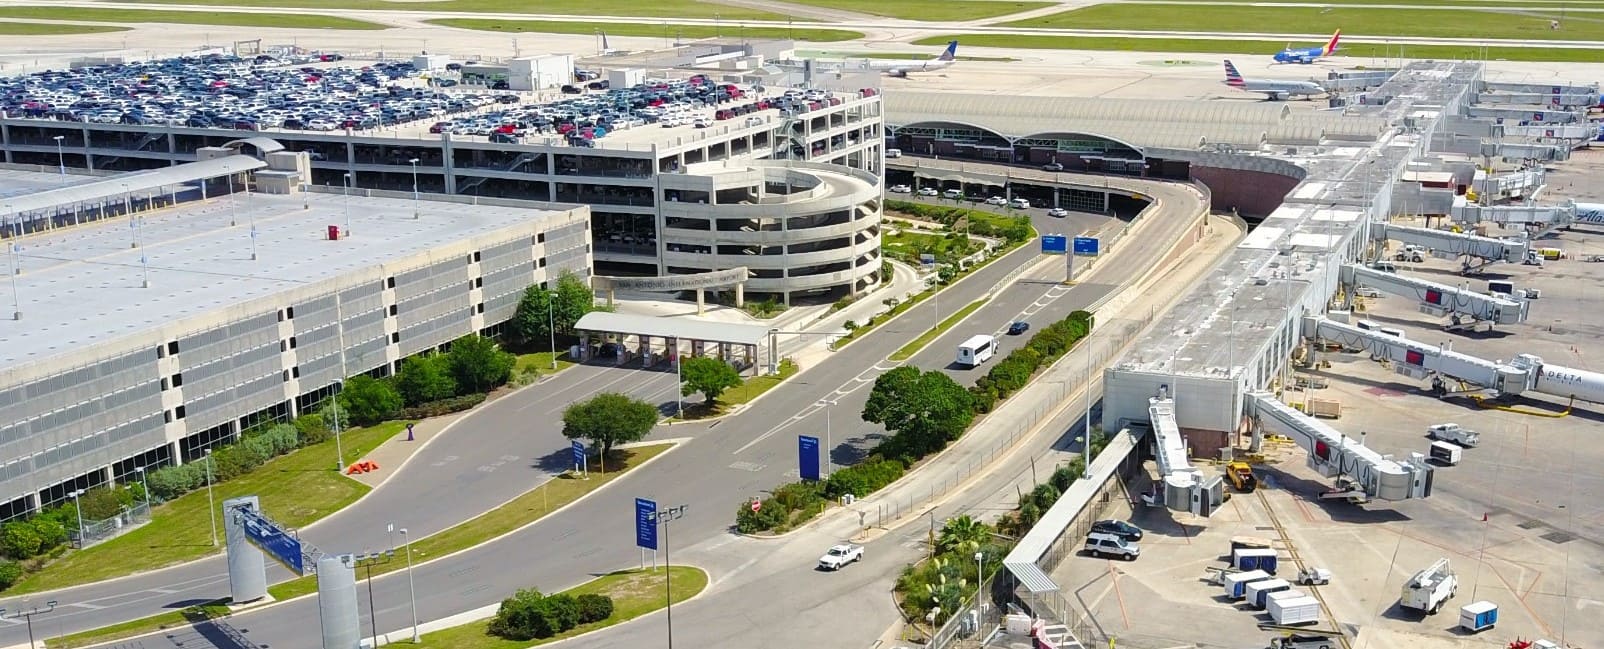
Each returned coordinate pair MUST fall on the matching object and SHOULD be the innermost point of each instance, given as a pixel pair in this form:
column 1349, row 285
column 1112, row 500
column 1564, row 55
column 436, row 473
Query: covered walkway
column 113, row 195
column 652, row 340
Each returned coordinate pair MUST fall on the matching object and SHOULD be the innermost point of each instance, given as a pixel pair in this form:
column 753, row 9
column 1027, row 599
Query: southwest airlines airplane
column 1308, row 54
column 1273, row 89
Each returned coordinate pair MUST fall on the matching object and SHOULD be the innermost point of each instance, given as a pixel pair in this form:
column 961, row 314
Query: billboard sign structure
column 646, row 523
column 1088, row 246
column 273, row 540
column 807, row 451
column 1054, row 244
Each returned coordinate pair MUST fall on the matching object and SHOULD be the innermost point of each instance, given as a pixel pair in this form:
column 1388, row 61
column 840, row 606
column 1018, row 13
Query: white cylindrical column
column 336, row 603
column 247, row 567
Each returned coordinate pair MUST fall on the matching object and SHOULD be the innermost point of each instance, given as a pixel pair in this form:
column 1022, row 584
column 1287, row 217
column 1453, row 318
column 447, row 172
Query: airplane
column 902, row 68
column 1274, row 89
column 1308, row 54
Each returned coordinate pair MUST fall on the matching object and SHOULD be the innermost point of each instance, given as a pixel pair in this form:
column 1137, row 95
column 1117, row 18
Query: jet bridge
column 1464, row 308
column 1361, row 472
column 1525, row 183
column 1419, row 360
column 1535, row 218
column 1185, row 487
column 1447, row 244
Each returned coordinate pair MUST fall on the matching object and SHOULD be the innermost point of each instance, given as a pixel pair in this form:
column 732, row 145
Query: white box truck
column 978, row 349
column 1429, row 589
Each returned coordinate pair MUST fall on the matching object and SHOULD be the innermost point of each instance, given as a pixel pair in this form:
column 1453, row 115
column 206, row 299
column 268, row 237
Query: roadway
column 594, row 536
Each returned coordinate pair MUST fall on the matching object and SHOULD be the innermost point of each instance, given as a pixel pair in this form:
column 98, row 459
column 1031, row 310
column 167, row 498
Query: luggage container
column 1478, row 616
column 1285, row 595
column 1445, row 453
column 1254, row 559
column 1302, row 610
column 1236, row 583
column 1258, row 592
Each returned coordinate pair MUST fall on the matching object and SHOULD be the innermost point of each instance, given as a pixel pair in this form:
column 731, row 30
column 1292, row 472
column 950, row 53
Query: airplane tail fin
column 1232, row 77
column 604, row 42
column 1331, row 47
column 951, row 54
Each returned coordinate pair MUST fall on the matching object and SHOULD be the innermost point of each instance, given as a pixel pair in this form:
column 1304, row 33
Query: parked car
column 1052, row 166
column 928, row 191
column 900, row 189
column 1118, row 528
column 1018, row 327
column 1058, row 212
column 1019, row 204
column 1109, row 545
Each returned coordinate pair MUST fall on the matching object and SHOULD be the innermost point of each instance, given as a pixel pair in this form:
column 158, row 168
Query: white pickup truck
column 840, row 555
column 1453, row 433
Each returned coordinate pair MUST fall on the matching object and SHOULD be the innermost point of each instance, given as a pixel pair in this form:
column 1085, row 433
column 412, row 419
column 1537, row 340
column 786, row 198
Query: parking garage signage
column 646, row 523
column 1054, row 244
column 1087, row 246
column 273, row 540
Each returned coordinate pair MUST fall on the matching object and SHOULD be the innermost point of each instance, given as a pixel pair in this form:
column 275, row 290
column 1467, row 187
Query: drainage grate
column 1558, row 537
column 1532, row 525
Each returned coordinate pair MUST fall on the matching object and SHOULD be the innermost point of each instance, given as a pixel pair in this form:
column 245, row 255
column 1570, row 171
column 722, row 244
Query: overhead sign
column 1087, row 246
column 1054, row 244
column 276, row 542
column 646, row 523
column 807, row 452
column 579, row 455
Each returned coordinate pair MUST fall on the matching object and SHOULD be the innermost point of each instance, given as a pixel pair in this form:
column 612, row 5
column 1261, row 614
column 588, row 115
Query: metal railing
column 96, row 531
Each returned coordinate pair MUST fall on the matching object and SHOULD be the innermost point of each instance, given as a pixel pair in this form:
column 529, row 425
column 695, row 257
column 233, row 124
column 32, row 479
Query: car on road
column 1019, row 204
column 900, row 189
column 954, row 194
column 1052, row 166
column 841, row 555
column 928, row 191
column 1117, row 528
column 997, row 200
column 1108, row 545
column 1058, row 212
column 1018, row 327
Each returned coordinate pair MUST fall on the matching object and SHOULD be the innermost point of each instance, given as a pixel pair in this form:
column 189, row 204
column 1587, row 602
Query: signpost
column 580, row 465
column 272, row 540
column 1058, row 244
column 807, row 450
column 1088, row 246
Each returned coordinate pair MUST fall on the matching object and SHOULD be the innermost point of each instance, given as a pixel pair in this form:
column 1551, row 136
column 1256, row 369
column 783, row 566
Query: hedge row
column 227, row 462
column 863, row 478
column 786, row 503
column 443, row 406
column 529, row 615
column 1013, row 372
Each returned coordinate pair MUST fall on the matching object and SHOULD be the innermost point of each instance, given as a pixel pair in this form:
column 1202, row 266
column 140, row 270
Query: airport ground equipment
column 1429, row 589
column 1314, row 577
column 1518, row 184
column 1453, row 433
column 1464, row 308
column 1236, row 584
column 1476, row 251
column 1361, row 473
column 1241, row 475
column 1302, row 610
column 1185, row 487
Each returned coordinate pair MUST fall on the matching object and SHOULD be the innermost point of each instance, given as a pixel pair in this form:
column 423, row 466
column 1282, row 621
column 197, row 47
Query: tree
column 609, row 419
column 426, row 378
column 542, row 308
column 924, row 410
column 369, row 401
column 478, row 363
column 963, row 535
column 709, row 376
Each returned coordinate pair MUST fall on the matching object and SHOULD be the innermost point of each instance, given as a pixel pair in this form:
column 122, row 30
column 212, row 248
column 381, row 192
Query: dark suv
column 1120, row 529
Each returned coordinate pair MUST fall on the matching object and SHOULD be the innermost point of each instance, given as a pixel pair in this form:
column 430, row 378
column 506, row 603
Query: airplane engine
column 900, row 74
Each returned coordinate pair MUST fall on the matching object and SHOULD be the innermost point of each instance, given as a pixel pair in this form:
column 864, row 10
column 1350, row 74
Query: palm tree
column 962, row 534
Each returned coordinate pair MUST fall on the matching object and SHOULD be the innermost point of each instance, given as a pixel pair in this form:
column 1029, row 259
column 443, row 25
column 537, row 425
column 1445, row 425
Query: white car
column 900, row 189
column 1019, row 204
column 1058, row 212
column 997, row 200
column 928, row 191
column 841, row 555
column 704, row 122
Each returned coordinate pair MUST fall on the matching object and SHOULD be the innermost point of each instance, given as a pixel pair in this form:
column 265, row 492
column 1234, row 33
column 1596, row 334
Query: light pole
column 348, row 205
column 406, row 542
column 211, row 503
column 415, row 208
column 551, row 325
column 79, row 511
column 61, row 157
column 368, row 560
column 980, row 577
column 28, row 617
column 664, row 517
column 144, row 486
column 679, row 381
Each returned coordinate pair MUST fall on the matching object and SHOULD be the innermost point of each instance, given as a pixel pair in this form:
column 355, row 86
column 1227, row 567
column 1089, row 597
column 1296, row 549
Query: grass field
column 525, row 509
column 648, row 30
column 935, row 11
column 295, row 489
column 125, row 16
column 634, row 592
column 1356, row 21
column 1351, row 54
column 53, row 29
column 1511, row 4
column 540, row 362
column 656, row 8
column 946, row 323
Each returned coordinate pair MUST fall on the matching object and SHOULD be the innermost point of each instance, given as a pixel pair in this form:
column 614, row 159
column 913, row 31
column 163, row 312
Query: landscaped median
column 523, row 510
column 181, row 17
column 744, row 392
column 1356, row 52
column 649, row 29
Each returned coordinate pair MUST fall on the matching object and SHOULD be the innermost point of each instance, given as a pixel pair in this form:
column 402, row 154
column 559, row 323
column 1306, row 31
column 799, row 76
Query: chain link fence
column 96, row 531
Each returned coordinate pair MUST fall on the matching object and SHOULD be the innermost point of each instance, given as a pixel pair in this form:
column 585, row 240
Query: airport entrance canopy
column 136, row 183
column 679, row 328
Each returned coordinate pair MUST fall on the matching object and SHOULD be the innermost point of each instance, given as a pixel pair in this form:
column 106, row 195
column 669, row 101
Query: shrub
column 370, row 400
column 10, row 572
column 19, row 540
column 443, row 406
column 51, row 532
column 171, row 482
column 311, row 429
column 777, row 510
column 563, row 612
column 515, row 619
column 864, row 478
column 100, row 503
column 594, row 607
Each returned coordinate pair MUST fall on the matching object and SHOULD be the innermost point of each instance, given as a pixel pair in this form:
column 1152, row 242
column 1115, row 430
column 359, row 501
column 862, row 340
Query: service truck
column 841, row 555
column 1429, row 589
column 1453, row 433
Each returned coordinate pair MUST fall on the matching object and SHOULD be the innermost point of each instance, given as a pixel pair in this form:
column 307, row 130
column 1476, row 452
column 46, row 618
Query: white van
column 893, row 153
column 978, row 349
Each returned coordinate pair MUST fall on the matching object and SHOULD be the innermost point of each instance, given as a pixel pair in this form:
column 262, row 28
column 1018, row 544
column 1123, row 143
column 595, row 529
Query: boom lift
column 1465, row 309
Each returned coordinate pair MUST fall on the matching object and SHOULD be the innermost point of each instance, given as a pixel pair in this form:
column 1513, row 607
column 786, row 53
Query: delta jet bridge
column 1448, row 245
column 1464, row 308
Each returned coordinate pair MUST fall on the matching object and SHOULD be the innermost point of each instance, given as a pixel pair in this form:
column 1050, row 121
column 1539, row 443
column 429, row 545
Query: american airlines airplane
column 902, row 68
column 1273, row 89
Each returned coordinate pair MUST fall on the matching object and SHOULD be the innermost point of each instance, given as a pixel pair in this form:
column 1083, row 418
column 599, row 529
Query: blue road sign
column 1086, row 246
column 1054, row 244
column 927, row 259
column 807, row 451
column 646, row 523
column 274, row 541
column 579, row 454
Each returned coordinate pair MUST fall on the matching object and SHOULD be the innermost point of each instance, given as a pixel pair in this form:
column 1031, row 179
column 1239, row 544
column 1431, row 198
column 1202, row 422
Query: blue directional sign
column 646, row 523
column 1086, row 246
column 273, row 540
column 807, row 451
column 1054, row 244
column 579, row 454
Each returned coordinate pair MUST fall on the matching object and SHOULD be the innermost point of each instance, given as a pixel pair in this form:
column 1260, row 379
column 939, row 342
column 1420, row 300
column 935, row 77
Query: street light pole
column 664, row 517
column 80, row 512
column 348, row 205
column 415, row 208
column 829, row 462
column 61, row 158
column 406, row 542
column 211, row 503
column 551, row 325
column 980, row 577
column 27, row 616
column 145, row 487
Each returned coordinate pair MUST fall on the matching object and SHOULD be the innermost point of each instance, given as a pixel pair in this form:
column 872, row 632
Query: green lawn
column 931, row 10
column 109, row 15
column 744, row 393
column 907, row 244
column 1512, row 4
column 521, row 511
column 52, row 29
column 634, row 592
column 1352, row 53
column 1365, row 21
column 647, row 30
column 656, row 8
column 541, row 362
column 295, row 489
column 919, row 343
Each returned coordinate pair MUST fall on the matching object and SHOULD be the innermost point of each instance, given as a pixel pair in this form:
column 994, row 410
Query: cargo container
column 1302, row 610
column 1258, row 592
column 1236, row 583
column 1254, row 559
column 1478, row 616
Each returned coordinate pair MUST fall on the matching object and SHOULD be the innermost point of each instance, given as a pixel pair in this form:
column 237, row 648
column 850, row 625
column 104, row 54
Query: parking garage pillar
column 701, row 301
column 1106, row 196
column 740, row 295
